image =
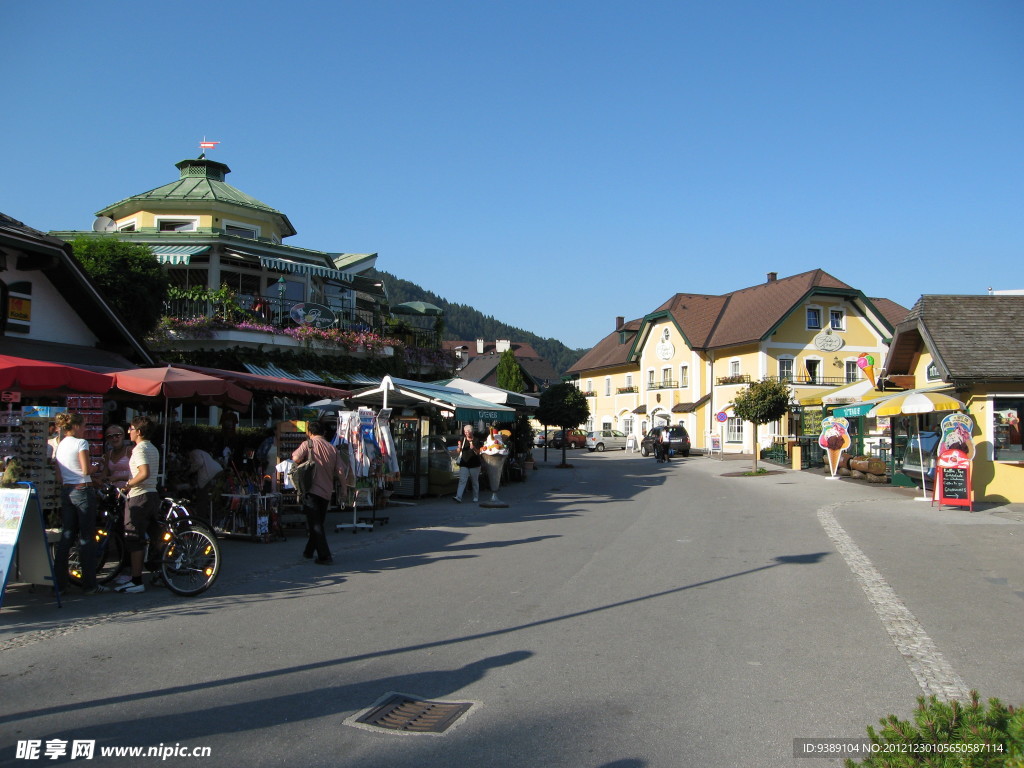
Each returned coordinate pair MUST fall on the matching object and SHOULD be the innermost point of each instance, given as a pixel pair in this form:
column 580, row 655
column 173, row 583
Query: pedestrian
column 329, row 467
column 143, row 505
column 469, row 464
column 115, row 465
column 77, row 503
column 666, row 445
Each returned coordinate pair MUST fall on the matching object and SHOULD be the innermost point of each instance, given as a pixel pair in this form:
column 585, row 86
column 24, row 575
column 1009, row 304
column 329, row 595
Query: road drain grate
column 408, row 714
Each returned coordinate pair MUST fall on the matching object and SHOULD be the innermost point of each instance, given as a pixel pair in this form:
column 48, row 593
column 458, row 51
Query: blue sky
column 554, row 164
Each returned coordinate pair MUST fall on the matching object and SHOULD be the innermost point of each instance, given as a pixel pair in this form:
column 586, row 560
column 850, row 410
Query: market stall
column 416, row 406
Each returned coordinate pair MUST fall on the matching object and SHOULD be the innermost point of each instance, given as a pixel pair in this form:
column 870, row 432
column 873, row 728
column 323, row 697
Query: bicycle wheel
column 111, row 558
column 191, row 561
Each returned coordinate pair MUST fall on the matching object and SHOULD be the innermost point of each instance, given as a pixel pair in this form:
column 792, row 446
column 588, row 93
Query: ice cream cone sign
column 834, row 438
column 866, row 363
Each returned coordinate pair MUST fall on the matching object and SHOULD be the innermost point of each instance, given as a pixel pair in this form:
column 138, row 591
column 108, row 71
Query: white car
column 601, row 439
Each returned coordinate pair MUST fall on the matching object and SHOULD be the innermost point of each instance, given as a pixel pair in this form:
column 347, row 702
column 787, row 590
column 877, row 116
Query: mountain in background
column 463, row 323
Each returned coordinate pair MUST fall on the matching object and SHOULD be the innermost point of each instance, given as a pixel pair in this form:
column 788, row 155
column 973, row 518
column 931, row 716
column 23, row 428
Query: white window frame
column 607, row 386
column 807, row 319
column 666, row 375
column 851, row 374
column 735, row 367
column 128, row 226
column 792, row 368
column 254, row 228
column 193, row 220
column 629, row 381
column 814, row 378
column 650, row 378
column 590, row 385
column 832, row 312
column 734, row 430
column 684, row 376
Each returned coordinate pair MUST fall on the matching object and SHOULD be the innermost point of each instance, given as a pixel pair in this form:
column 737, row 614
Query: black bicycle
column 183, row 552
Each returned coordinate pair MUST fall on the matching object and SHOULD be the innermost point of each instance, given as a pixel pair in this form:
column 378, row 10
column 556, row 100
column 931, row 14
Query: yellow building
column 684, row 362
column 974, row 344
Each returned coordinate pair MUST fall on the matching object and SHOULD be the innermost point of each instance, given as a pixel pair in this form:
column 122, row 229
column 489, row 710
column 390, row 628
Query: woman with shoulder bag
column 469, row 464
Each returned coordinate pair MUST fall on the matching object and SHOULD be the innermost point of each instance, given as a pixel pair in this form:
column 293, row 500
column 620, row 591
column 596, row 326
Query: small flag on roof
column 204, row 144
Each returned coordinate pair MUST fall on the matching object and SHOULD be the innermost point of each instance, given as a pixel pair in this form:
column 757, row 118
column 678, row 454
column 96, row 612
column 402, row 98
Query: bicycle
column 187, row 550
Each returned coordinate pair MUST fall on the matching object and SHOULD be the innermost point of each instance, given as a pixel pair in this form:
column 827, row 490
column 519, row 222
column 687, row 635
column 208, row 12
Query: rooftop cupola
column 201, row 168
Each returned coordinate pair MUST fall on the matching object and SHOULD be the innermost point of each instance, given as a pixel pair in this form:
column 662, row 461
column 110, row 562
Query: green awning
column 177, row 254
column 854, row 409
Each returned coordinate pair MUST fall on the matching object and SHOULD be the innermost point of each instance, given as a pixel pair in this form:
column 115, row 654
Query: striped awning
column 177, row 254
column 302, row 268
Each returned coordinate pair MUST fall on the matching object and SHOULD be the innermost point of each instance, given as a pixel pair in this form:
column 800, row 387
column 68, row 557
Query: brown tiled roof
column 739, row 317
column 891, row 311
column 750, row 313
column 608, row 351
column 970, row 337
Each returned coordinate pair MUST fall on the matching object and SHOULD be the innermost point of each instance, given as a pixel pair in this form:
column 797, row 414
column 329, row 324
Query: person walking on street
column 329, row 467
column 77, row 503
column 469, row 464
column 143, row 505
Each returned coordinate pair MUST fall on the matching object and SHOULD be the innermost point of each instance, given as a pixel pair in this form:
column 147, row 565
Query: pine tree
column 510, row 375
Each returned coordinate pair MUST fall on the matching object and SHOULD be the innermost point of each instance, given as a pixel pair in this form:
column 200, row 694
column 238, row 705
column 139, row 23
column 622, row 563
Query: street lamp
column 281, row 286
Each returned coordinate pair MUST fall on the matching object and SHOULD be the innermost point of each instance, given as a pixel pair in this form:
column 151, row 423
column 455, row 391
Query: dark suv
column 577, row 439
column 678, row 438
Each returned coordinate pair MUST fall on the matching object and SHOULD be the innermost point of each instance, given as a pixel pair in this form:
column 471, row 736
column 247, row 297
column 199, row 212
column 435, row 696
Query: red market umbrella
column 24, row 375
column 178, row 384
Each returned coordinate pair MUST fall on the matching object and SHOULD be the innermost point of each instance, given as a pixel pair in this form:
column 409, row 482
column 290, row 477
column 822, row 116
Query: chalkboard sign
column 954, row 483
column 953, row 486
column 812, row 422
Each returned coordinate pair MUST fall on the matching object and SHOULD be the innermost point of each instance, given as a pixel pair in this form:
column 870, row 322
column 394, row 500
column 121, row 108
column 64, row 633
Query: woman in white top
column 77, row 503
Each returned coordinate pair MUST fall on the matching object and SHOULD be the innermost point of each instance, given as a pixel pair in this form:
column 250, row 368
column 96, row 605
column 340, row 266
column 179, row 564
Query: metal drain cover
column 407, row 714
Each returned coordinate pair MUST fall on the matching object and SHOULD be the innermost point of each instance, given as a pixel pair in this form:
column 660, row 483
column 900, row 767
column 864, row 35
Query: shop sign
column 826, row 341
column 10, row 397
column 314, row 315
column 19, row 309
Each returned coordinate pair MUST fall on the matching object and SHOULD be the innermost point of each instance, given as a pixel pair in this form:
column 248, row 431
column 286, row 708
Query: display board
column 13, row 504
column 28, row 538
column 953, row 481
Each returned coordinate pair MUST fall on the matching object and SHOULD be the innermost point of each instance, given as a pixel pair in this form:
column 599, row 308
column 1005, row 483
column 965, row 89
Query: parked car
column 925, row 448
column 540, row 438
column 576, row 438
column 601, row 439
column 678, row 439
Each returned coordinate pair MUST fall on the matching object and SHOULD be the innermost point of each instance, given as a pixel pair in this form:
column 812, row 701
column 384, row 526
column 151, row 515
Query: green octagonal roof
column 202, row 181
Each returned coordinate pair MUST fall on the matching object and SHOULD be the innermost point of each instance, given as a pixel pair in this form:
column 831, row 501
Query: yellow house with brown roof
column 684, row 362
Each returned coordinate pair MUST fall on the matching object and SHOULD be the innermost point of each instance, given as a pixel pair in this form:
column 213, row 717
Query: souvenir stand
column 424, row 464
column 364, row 436
column 26, row 428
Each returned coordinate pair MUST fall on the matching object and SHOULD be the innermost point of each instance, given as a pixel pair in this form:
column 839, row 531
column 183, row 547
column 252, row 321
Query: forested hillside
column 462, row 322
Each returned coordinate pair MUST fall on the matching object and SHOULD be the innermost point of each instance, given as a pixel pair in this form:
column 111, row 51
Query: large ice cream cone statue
column 493, row 456
column 834, row 438
column 866, row 363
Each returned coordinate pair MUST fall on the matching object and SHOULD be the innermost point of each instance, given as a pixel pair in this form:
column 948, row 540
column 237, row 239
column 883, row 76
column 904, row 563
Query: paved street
column 622, row 614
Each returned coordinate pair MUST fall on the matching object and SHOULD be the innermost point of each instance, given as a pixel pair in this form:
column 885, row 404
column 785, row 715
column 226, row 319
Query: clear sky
column 552, row 163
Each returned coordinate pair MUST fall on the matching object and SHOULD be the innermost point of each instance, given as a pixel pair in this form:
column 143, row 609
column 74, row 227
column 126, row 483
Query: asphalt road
column 621, row 614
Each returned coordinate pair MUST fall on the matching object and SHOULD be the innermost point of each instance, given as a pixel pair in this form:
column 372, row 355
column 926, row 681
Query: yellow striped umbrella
column 915, row 401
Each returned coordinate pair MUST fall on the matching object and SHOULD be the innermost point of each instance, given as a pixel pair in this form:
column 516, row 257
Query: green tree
column 564, row 406
column 510, row 375
column 760, row 403
column 129, row 277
